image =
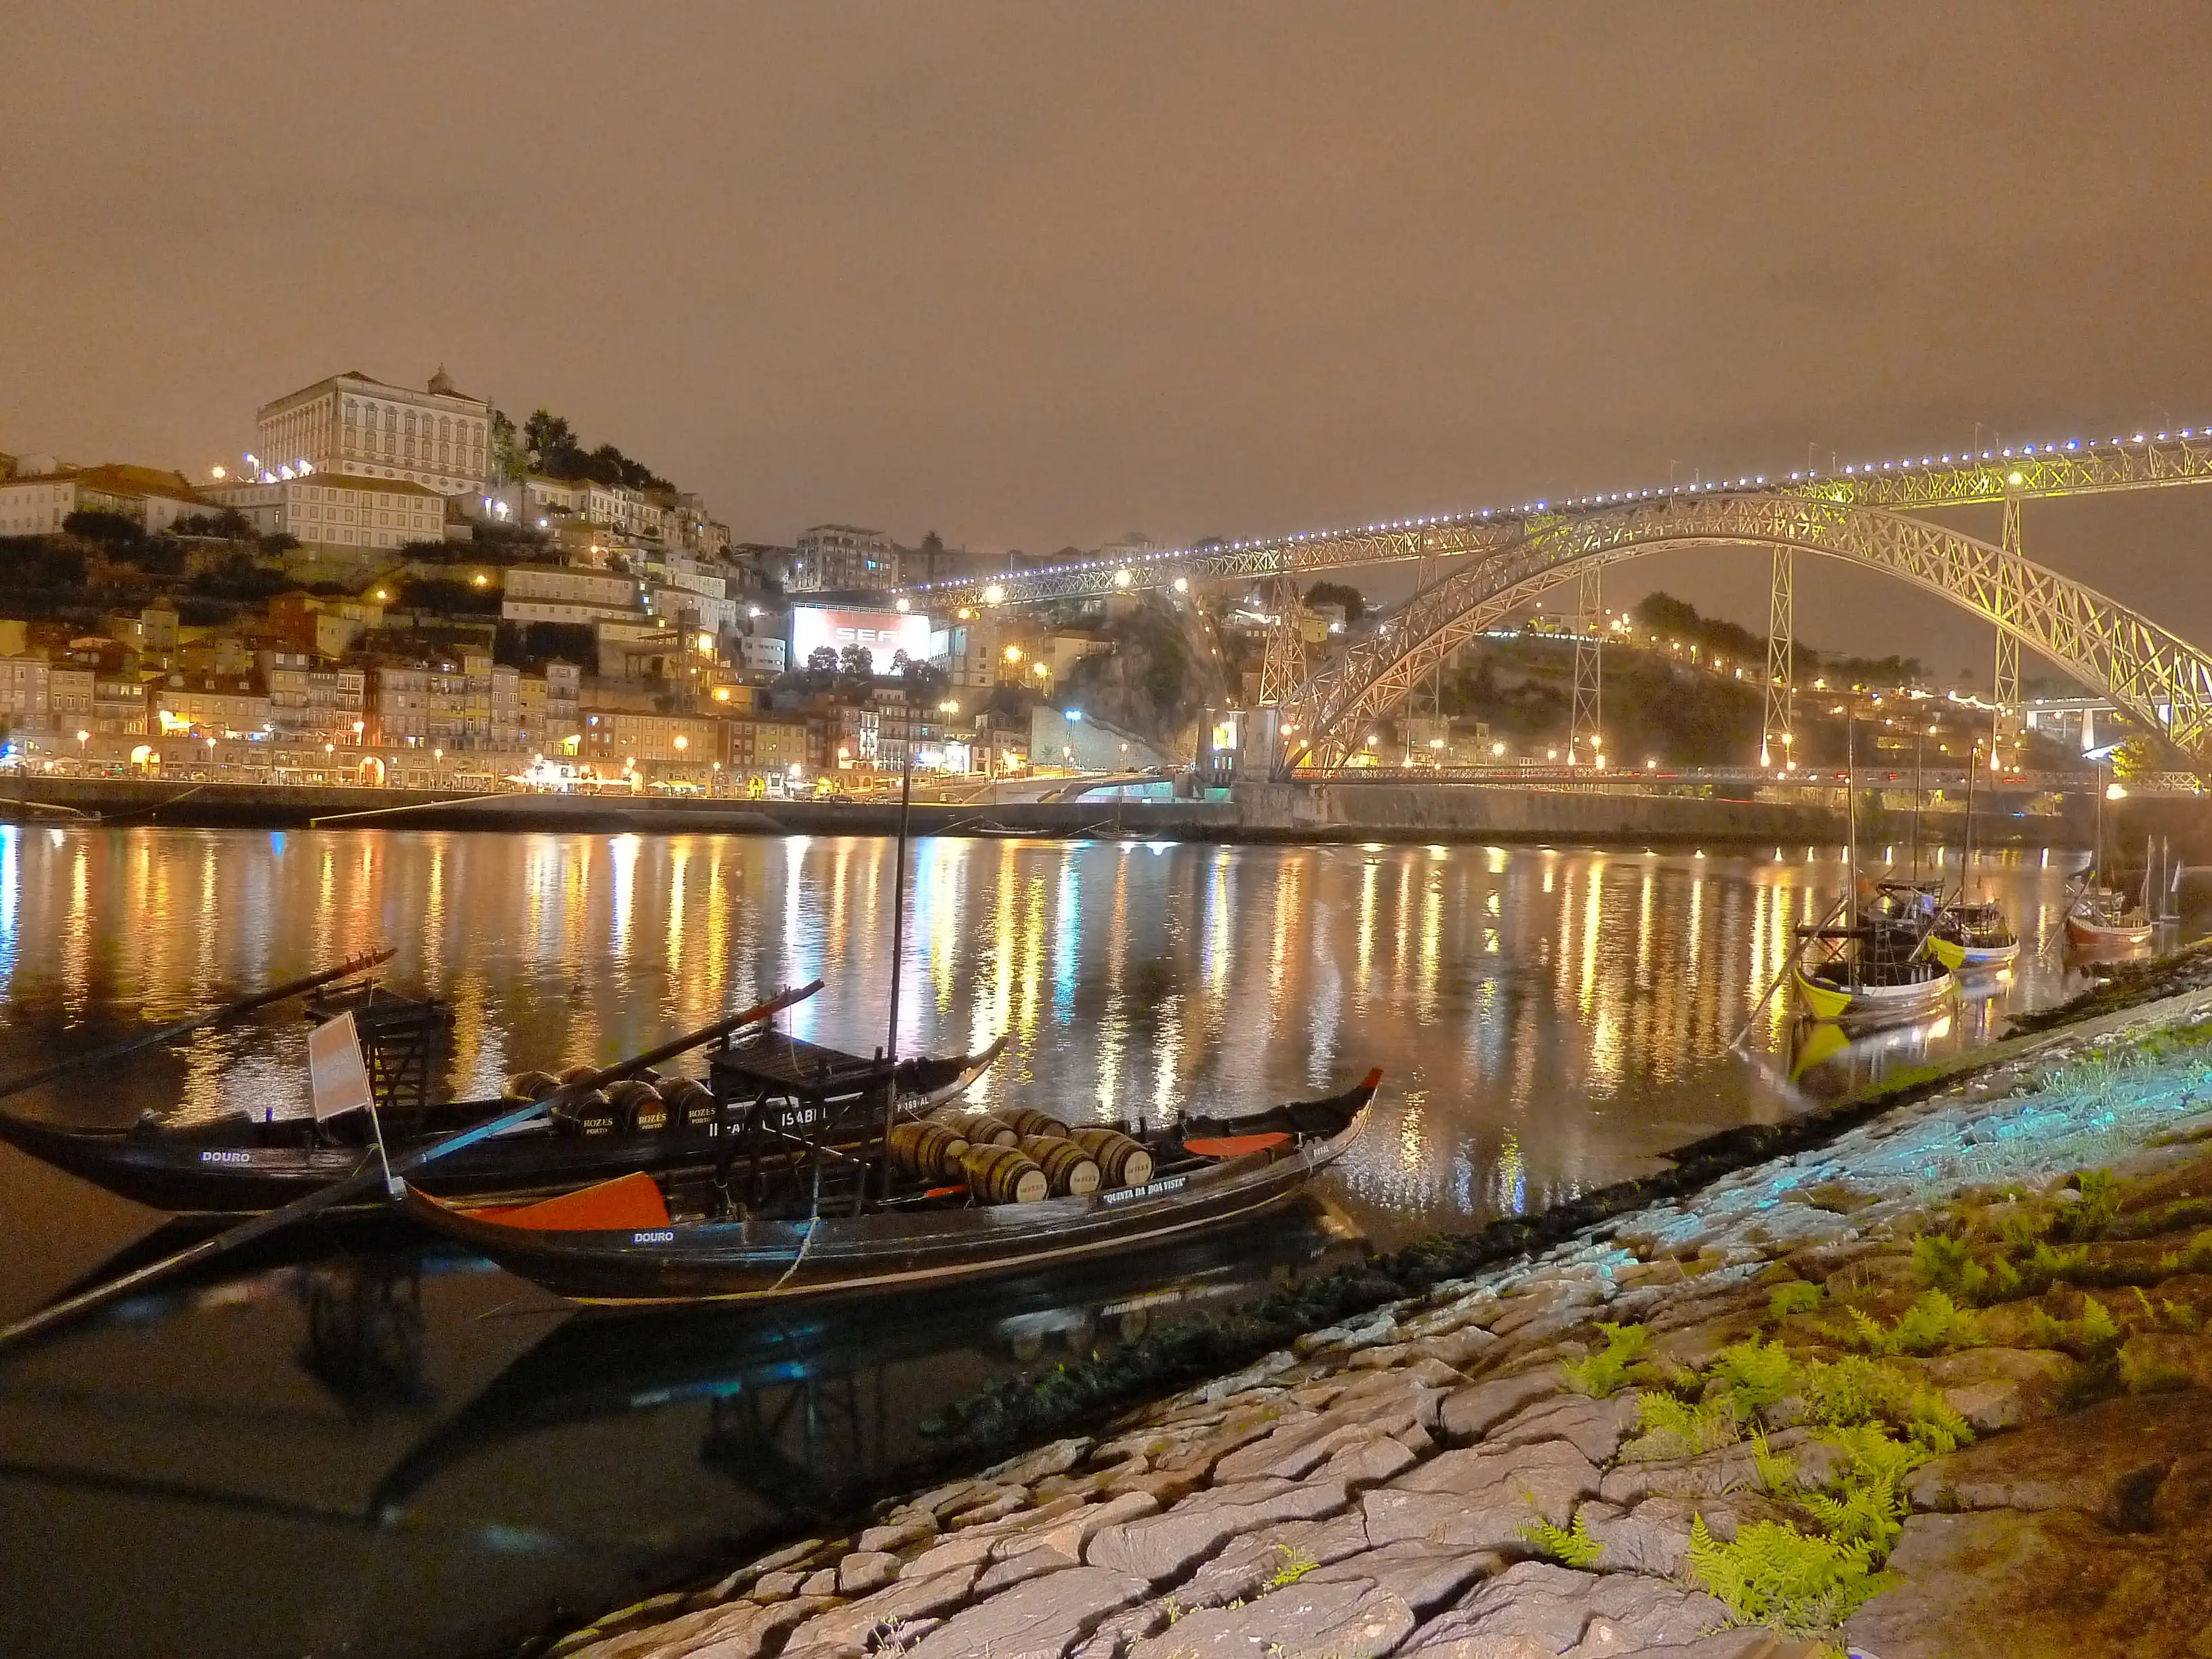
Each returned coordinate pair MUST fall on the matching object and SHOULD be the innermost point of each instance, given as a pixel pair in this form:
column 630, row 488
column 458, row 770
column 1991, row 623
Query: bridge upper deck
column 2144, row 461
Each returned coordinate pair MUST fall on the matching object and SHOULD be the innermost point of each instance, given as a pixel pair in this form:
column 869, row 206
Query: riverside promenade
column 1927, row 1375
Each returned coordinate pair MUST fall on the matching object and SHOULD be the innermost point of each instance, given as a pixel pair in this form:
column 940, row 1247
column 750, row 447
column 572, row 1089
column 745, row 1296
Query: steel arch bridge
column 2154, row 674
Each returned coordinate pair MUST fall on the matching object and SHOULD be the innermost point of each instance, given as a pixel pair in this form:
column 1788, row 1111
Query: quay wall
column 1257, row 812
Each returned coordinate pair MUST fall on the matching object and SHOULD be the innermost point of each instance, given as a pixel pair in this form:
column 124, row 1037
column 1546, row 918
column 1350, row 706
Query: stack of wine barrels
column 1030, row 1121
column 932, row 1150
column 977, row 1129
column 639, row 1105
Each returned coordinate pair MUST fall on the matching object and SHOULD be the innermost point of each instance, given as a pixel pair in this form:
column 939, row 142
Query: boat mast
column 1919, row 743
column 1966, row 856
column 898, row 954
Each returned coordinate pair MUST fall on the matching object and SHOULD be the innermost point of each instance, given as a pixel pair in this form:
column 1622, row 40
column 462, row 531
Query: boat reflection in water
column 478, row 1463
column 1827, row 1059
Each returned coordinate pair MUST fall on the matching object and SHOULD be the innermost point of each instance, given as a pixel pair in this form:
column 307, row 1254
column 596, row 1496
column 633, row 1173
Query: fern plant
column 1771, row 1574
column 1943, row 1263
column 1605, row 1371
column 1755, row 1374
column 1570, row 1546
column 1668, row 1426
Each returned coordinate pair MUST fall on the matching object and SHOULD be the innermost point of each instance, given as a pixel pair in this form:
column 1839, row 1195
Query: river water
column 383, row 1448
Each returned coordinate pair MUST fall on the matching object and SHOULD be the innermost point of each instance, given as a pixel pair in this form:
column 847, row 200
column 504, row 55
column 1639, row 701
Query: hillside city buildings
column 429, row 622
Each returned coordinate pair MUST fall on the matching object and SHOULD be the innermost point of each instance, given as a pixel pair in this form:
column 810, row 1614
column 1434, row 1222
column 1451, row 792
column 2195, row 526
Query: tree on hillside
column 509, row 453
column 1353, row 601
column 111, row 529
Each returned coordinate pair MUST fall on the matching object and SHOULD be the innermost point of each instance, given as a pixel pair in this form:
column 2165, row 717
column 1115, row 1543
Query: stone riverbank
column 1940, row 1386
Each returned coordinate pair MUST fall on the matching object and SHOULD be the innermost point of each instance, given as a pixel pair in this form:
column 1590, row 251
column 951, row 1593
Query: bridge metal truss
column 2146, row 463
column 2154, row 674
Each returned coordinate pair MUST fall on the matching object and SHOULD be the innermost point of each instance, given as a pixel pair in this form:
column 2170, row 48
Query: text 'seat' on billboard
column 880, row 633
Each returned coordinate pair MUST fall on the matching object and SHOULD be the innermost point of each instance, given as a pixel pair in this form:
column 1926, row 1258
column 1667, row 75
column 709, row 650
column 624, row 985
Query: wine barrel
column 577, row 1074
column 689, row 1103
column 532, row 1085
column 1030, row 1121
column 1121, row 1161
column 1004, row 1174
column 978, row 1128
column 1073, row 1171
column 929, row 1150
column 638, row 1107
column 591, row 1114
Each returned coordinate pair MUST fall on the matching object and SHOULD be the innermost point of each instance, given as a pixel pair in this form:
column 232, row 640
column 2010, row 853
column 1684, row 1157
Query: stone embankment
column 1939, row 1386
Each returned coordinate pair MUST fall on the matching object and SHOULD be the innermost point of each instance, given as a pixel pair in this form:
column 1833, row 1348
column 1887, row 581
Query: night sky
column 1037, row 274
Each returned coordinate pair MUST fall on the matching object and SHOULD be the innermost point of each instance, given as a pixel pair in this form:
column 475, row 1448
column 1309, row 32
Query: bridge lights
column 1496, row 751
column 1183, row 584
column 995, row 594
column 2015, row 479
column 1122, row 578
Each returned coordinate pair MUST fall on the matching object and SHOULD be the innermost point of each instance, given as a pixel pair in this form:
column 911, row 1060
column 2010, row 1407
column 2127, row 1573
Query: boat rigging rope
column 813, row 1221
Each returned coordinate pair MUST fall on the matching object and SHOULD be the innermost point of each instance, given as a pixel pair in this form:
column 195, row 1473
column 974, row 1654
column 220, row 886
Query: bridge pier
column 1776, row 735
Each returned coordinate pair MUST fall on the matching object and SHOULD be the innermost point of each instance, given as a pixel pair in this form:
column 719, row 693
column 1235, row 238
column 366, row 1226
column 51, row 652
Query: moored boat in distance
column 640, row 1241
column 1874, row 973
column 2102, row 919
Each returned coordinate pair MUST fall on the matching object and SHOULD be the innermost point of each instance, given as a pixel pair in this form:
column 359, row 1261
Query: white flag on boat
column 336, row 1069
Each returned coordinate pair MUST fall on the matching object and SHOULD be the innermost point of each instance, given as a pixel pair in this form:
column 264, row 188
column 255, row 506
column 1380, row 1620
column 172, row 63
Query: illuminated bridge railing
column 2145, row 460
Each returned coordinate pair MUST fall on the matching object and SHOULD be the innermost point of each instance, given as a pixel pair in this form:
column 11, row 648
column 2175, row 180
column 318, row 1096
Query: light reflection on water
column 1546, row 1017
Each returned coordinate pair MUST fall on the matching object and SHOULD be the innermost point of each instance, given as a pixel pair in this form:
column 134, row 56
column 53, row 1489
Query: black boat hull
column 222, row 1174
column 760, row 1261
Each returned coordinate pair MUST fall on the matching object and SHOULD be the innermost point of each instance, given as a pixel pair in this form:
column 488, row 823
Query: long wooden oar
column 367, row 1179
column 296, row 987
column 1787, row 963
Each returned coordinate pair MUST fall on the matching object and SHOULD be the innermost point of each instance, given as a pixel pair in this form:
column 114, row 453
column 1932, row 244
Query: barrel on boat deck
column 532, row 1085
column 688, row 1103
column 577, row 1074
column 638, row 1107
column 1004, row 1174
column 930, row 1150
column 590, row 1114
column 1121, row 1161
column 1027, row 1121
column 978, row 1128
column 1073, row 1171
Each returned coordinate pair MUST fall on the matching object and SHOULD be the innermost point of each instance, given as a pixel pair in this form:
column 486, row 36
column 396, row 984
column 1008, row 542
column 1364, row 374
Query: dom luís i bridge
column 1477, row 568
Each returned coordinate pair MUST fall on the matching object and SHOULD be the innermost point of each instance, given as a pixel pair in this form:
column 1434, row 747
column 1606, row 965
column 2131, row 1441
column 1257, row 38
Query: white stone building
column 353, row 425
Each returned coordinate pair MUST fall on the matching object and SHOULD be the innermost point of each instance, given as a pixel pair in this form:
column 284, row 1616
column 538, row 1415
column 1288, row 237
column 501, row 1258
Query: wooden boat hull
column 202, row 1174
column 1871, row 1004
column 753, row 1261
column 2101, row 936
column 1969, row 958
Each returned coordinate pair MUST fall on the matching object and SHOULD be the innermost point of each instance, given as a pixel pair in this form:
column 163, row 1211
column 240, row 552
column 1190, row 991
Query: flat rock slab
column 1997, row 1388
column 2052, row 1585
column 2108, row 1461
column 1538, row 1601
column 1472, row 1411
column 1165, row 1545
column 751, row 1630
column 1309, row 1619
column 1480, row 1499
column 852, row 1623
column 1595, row 1428
column 1040, row 1619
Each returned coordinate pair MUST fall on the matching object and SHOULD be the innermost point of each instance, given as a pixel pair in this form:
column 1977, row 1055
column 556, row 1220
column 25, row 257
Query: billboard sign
column 880, row 633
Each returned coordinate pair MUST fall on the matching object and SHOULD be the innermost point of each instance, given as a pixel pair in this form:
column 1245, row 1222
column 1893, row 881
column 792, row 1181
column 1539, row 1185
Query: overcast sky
column 1036, row 274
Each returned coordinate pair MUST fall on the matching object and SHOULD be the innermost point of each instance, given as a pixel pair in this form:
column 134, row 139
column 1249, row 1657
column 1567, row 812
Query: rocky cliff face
column 1158, row 678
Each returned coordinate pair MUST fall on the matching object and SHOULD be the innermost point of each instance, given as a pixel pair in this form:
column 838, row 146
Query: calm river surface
column 389, row 1450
